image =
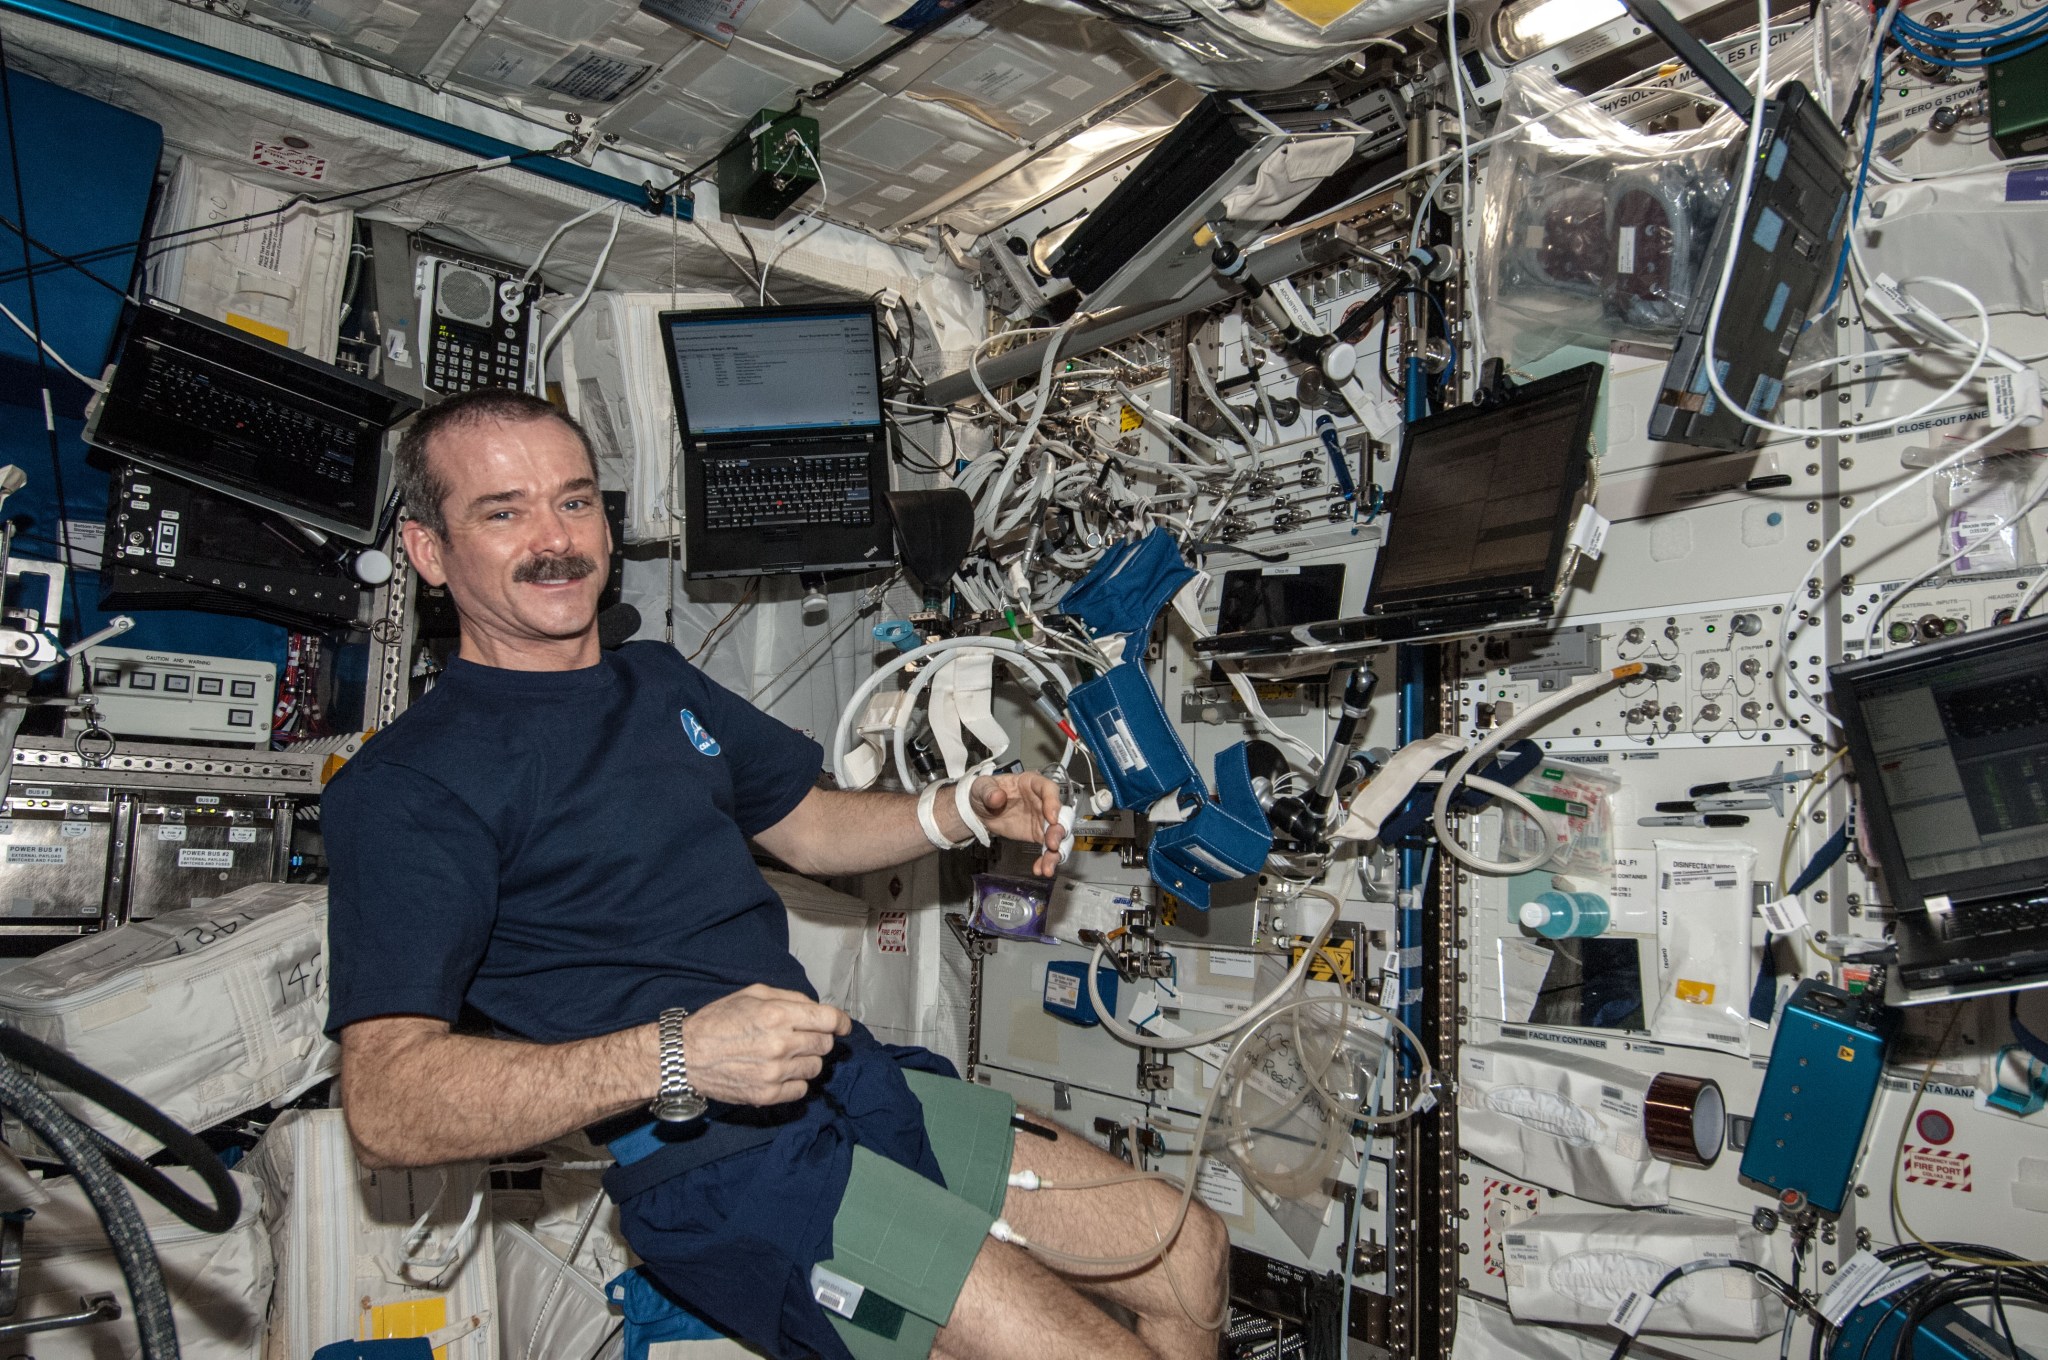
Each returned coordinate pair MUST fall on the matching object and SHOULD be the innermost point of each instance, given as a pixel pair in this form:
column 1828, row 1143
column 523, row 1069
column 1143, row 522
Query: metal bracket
column 91, row 1308
column 977, row 945
column 11, row 1224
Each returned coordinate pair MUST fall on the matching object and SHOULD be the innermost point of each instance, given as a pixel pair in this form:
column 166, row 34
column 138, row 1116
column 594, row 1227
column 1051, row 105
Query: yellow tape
column 409, row 1317
column 1319, row 971
column 262, row 329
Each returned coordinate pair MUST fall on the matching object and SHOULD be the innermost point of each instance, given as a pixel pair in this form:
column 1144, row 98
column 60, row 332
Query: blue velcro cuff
column 1120, row 716
column 1223, row 840
column 1125, row 590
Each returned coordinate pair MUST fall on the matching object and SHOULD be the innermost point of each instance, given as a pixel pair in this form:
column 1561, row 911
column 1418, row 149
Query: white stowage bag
column 367, row 1254
column 550, row 1310
column 219, row 1283
column 826, row 930
column 1577, row 1267
column 206, row 1013
column 1574, row 1127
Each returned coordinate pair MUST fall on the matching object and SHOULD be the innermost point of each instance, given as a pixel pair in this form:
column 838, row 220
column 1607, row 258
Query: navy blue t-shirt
column 564, row 851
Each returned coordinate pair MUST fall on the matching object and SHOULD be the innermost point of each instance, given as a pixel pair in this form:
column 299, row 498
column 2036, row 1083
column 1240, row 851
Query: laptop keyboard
column 1986, row 919
column 246, row 413
column 764, row 493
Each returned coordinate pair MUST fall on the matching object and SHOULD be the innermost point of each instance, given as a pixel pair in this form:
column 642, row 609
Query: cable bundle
column 1974, row 50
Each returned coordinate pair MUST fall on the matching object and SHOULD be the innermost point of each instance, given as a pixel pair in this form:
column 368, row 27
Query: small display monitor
column 775, row 370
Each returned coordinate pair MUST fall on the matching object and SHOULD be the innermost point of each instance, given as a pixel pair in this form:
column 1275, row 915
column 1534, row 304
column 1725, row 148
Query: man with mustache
column 544, row 916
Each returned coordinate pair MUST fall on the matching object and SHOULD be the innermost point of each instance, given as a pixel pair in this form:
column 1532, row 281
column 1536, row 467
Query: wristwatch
column 678, row 1102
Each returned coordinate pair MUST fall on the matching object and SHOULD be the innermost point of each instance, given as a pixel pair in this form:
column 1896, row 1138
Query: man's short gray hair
column 421, row 487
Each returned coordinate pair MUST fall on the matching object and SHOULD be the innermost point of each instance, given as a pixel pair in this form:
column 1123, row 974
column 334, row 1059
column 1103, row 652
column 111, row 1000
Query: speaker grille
column 467, row 296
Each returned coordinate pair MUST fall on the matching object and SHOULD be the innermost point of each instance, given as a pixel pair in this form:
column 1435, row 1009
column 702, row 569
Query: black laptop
column 1479, row 524
column 785, row 464
column 1786, row 248
column 250, row 419
column 1950, row 747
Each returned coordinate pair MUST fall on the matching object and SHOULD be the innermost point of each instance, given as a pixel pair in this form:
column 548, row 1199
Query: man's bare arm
column 837, row 831
column 418, row 1095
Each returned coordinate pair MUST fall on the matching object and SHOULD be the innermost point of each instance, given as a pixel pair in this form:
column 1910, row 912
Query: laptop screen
column 1483, row 498
column 774, row 370
column 1951, row 751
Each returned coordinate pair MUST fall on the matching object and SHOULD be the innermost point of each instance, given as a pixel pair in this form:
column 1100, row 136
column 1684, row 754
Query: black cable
column 896, row 445
column 1783, row 1290
column 1998, row 1311
column 711, row 638
column 35, row 324
column 77, row 262
column 760, row 279
column 609, row 1337
column 118, row 1100
column 1951, row 1284
column 134, row 1252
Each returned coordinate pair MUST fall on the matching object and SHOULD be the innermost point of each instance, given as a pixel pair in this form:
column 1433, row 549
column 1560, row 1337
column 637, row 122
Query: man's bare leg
column 1004, row 1302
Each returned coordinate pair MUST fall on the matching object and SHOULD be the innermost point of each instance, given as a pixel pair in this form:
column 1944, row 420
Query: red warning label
column 289, row 160
column 1942, row 1168
column 892, row 932
column 1502, row 1204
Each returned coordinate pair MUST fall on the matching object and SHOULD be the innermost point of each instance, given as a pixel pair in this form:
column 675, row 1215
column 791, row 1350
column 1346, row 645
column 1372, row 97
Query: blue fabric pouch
column 1226, row 838
column 1126, row 589
column 651, row 1315
column 1138, row 753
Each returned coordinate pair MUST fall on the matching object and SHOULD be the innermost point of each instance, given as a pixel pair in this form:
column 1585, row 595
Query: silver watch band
column 678, row 1101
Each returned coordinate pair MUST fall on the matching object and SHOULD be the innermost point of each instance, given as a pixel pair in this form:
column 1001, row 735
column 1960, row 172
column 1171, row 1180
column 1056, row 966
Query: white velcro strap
column 945, row 716
column 1187, row 602
column 928, row 823
column 864, row 761
column 963, row 803
column 974, row 683
column 1392, row 785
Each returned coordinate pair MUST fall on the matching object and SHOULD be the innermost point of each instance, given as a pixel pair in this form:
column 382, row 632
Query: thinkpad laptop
column 250, row 419
column 1785, row 249
column 1950, row 747
column 1479, row 525
column 785, row 468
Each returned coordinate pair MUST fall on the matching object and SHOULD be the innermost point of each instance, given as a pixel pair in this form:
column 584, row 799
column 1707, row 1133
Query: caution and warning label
column 1941, row 1168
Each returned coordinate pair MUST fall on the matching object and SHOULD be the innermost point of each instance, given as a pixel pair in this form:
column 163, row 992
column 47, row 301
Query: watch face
column 678, row 1109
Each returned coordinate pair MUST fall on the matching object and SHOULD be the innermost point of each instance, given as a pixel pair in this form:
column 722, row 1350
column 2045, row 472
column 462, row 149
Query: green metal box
column 770, row 166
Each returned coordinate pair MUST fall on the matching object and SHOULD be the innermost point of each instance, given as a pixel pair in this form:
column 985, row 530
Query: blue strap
column 652, row 1314
column 1222, row 840
column 1763, row 998
column 1509, row 766
column 2033, row 1043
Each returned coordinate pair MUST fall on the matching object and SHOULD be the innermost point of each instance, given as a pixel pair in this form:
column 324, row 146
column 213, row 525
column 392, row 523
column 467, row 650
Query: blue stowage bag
column 651, row 1315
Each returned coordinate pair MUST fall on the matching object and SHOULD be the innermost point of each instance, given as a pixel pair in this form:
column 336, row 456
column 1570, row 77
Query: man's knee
column 1205, row 1237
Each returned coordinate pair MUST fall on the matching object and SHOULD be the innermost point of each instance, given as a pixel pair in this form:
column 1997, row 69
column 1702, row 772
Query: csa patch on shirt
column 705, row 743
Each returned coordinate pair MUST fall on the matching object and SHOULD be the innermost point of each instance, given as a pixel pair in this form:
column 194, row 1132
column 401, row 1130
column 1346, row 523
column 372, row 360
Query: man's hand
column 760, row 1045
column 1022, row 807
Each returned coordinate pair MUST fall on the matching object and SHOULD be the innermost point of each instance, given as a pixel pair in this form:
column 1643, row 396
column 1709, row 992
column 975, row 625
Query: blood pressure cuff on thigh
column 1138, row 753
column 902, row 1246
